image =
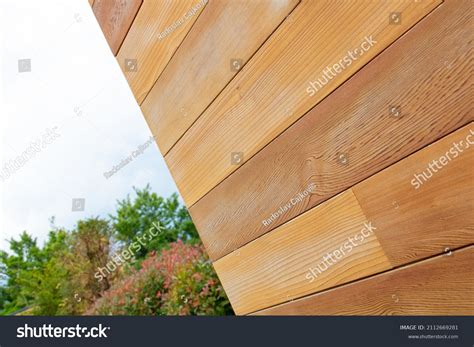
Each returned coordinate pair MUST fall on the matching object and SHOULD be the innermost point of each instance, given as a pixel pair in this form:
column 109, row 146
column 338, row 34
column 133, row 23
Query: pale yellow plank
column 270, row 92
column 410, row 222
column 277, row 266
column 222, row 40
column 149, row 45
column 440, row 286
column 424, row 204
column 426, row 73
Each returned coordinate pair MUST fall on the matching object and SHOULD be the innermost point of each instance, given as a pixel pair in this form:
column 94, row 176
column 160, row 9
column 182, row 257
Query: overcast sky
column 66, row 122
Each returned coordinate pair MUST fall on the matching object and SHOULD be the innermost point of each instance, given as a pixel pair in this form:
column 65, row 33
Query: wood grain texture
column 277, row 267
column 420, row 217
column 409, row 224
column 115, row 18
column 244, row 118
column 202, row 66
column 443, row 285
column 156, row 33
column 426, row 73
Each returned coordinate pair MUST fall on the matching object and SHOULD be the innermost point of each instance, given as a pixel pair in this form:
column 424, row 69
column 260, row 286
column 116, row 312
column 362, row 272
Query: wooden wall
column 325, row 149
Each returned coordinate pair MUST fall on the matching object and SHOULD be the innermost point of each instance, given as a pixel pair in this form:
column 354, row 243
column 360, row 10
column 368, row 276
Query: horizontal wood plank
column 424, row 205
column 228, row 32
column 407, row 224
column 442, row 286
column 115, row 19
column 290, row 261
column 158, row 29
column 351, row 134
column 270, row 92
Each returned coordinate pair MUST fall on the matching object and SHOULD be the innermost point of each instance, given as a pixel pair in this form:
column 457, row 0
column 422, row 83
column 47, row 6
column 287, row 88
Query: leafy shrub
column 89, row 248
column 178, row 281
column 135, row 217
column 25, row 273
column 169, row 275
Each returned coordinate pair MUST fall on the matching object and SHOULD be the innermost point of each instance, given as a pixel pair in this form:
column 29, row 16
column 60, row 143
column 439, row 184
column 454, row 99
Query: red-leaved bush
column 178, row 281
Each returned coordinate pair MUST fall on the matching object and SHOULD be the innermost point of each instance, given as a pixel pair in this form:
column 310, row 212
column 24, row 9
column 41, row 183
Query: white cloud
column 76, row 85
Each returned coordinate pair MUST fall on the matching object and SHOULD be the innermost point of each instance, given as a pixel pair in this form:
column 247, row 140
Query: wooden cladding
column 156, row 33
column 443, row 285
column 440, row 177
column 243, row 119
column 325, row 149
column 222, row 41
column 288, row 262
column 356, row 123
column 309, row 253
column 115, row 19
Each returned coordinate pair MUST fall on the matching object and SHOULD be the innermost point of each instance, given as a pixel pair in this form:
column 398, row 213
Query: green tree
column 46, row 286
column 134, row 218
column 61, row 278
column 58, row 278
column 16, row 270
column 89, row 248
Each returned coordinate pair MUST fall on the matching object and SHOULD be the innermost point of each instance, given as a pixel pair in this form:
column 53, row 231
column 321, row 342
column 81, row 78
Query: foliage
column 89, row 248
column 46, row 279
column 175, row 276
column 179, row 281
column 19, row 270
column 134, row 218
column 58, row 277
